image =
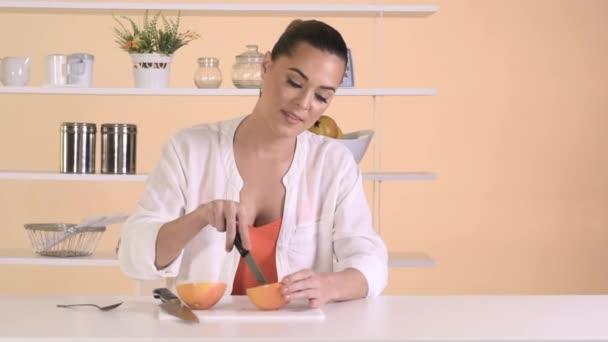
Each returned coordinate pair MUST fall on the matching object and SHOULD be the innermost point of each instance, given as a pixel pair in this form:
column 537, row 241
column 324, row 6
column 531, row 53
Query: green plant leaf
column 150, row 38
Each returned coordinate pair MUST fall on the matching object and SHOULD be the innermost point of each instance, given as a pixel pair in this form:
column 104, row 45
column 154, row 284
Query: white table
column 429, row 318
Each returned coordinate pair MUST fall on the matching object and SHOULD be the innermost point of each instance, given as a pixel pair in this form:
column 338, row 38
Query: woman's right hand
column 228, row 216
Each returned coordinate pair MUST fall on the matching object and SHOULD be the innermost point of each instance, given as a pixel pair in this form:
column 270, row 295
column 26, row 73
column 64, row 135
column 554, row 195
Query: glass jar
column 247, row 70
column 80, row 69
column 208, row 74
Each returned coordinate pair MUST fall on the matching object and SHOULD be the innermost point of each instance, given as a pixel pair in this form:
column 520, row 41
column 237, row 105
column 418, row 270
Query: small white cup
column 15, row 71
column 56, row 70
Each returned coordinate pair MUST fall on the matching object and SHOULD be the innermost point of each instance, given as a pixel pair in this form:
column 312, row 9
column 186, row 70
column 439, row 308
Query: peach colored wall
column 515, row 136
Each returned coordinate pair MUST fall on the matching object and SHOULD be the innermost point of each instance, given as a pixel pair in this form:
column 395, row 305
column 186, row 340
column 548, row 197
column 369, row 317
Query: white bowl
column 357, row 142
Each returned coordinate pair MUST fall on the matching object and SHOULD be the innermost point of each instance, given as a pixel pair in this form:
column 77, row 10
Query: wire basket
column 62, row 239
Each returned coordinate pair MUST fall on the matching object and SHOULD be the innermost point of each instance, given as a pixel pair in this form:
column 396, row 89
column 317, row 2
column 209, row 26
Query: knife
column 253, row 266
column 172, row 305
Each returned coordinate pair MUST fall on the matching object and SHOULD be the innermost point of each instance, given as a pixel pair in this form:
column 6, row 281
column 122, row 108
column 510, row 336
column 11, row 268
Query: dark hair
column 314, row 32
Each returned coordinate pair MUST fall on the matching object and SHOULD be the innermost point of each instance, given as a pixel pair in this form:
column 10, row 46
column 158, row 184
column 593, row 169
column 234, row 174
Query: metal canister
column 118, row 148
column 78, row 147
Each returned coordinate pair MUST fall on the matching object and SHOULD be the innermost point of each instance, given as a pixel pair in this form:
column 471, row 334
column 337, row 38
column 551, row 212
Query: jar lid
column 208, row 61
column 75, row 127
column 252, row 55
column 118, row 128
column 81, row 56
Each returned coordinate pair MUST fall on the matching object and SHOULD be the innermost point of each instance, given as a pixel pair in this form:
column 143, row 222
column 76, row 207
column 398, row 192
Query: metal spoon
column 102, row 308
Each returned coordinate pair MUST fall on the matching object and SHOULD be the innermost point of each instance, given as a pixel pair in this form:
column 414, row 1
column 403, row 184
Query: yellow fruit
column 340, row 134
column 326, row 126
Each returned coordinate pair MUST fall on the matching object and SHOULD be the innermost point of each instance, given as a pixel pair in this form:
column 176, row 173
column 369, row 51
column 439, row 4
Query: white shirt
column 326, row 223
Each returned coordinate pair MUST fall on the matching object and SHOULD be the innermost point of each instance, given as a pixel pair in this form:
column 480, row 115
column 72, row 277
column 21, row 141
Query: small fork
column 102, row 308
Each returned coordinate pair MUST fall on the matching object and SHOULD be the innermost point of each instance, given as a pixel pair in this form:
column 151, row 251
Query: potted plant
column 151, row 47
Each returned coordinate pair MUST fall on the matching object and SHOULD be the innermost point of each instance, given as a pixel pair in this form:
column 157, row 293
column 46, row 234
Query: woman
column 302, row 192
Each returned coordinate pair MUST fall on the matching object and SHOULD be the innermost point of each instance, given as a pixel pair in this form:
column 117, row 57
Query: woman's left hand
column 308, row 284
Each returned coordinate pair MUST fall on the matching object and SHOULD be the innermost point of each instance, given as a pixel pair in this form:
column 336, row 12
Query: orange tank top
column 264, row 243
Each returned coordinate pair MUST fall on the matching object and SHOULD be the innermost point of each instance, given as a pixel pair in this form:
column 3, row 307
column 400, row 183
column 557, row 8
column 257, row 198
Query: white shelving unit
column 17, row 257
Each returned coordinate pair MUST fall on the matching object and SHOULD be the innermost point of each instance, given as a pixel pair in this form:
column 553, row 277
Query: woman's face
column 297, row 89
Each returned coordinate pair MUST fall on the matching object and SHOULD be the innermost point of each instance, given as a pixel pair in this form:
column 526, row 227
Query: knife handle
column 165, row 295
column 239, row 245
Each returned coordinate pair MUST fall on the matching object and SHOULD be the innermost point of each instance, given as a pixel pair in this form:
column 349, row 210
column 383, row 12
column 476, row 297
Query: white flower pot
column 151, row 70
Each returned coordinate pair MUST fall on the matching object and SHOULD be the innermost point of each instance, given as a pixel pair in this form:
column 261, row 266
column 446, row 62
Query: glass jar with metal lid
column 247, row 70
column 208, row 74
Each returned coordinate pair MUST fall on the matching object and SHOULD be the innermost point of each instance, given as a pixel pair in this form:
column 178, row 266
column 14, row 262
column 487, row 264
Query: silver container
column 78, row 147
column 118, row 148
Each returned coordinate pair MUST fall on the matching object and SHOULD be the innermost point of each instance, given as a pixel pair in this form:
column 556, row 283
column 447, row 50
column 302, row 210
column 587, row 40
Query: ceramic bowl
column 357, row 142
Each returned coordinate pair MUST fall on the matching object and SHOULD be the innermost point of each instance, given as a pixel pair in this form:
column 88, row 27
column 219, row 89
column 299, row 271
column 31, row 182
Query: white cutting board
column 240, row 308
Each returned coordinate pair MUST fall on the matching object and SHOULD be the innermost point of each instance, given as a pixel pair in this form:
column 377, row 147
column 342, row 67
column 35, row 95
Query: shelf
column 397, row 176
column 20, row 257
column 233, row 9
column 410, row 259
column 18, row 175
column 204, row 92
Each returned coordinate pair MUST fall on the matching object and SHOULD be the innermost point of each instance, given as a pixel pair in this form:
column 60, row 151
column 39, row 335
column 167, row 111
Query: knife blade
column 172, row 305
column 253, row 266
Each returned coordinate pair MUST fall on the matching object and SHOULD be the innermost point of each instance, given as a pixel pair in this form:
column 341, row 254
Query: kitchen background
column 516, row 136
